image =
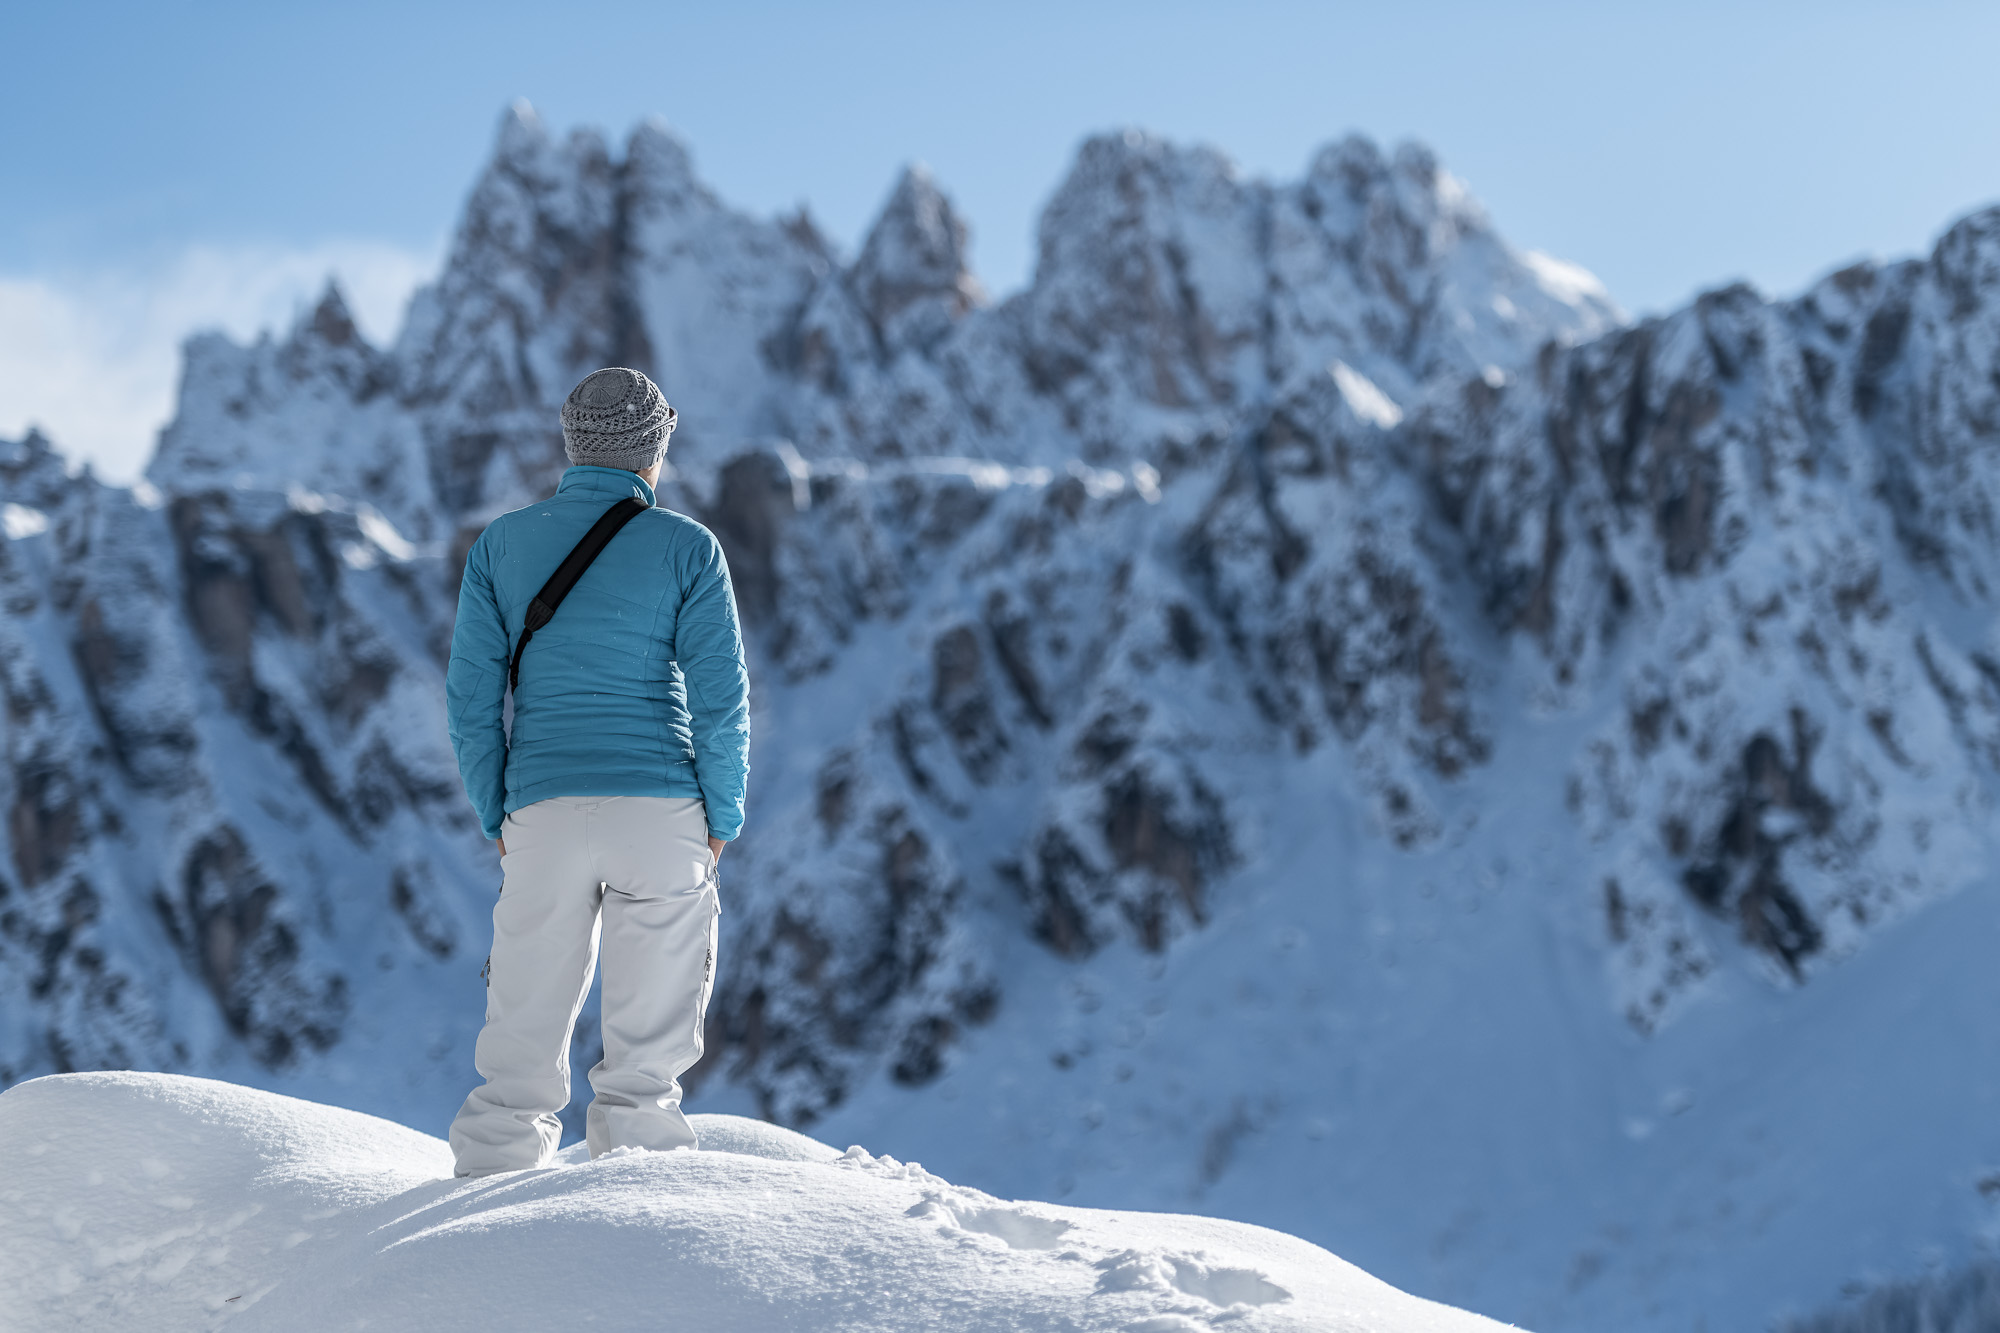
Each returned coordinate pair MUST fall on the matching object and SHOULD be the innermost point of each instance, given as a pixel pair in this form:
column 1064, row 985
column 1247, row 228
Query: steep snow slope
column 1408, row 1054
column 169, row 1203
column 1296, row 712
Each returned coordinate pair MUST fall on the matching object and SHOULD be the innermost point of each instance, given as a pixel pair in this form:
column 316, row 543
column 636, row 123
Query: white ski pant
column 635, row 871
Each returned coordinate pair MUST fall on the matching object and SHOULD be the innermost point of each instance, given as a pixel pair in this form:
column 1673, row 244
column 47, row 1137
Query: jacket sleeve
column 708, row 645
column 475, row 689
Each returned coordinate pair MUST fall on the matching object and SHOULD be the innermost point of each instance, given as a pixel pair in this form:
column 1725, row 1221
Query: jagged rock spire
column 522, row 134
column 331, row 321
column 912, row 279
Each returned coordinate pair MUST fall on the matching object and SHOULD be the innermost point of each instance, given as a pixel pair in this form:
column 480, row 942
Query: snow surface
column 163, row 1202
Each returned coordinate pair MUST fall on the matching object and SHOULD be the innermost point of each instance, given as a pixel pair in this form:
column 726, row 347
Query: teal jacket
column 636, row 688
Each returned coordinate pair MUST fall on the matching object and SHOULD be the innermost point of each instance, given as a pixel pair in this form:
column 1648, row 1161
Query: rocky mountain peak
column 521, row 138
column 659, row 165
column 330, row 320
column 912, row 278
column 1167, row 276
column 1967, row 259
column 325, row 342
column 1352, row 186
column 32, row 471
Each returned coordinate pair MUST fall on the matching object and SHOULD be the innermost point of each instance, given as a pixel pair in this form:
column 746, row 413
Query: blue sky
column 169, row 166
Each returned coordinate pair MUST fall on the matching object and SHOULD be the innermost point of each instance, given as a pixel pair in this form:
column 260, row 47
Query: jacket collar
column 610, row 482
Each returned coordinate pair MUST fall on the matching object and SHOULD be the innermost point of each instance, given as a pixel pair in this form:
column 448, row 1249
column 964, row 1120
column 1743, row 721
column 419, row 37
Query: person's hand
column 501, row 843
column 715, row 846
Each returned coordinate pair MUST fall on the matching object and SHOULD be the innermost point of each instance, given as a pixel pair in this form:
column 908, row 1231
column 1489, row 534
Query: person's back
column 622, row 777
column 645, row 656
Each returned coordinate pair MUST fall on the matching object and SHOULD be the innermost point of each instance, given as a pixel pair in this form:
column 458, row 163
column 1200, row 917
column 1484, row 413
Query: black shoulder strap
column 543, row 608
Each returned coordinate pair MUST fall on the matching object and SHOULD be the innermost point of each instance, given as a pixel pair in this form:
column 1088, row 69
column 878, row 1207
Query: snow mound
column 740, row 1135
column 162, row 1202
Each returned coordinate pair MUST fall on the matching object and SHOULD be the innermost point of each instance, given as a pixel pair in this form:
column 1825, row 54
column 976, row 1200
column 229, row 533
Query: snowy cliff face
column 1769, row 531
column 1048, row 556
column 1064, row 562
column 227, row 795
column 1263, row 508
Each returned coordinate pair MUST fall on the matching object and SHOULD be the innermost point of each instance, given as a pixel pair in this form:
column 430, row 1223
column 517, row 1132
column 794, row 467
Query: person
column 612, row 796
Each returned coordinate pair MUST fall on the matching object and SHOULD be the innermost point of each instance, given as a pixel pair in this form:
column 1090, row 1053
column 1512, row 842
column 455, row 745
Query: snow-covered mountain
column 1300, row 709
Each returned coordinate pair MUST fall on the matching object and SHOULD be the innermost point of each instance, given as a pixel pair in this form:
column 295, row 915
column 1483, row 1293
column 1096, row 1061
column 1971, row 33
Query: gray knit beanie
column 616, row 418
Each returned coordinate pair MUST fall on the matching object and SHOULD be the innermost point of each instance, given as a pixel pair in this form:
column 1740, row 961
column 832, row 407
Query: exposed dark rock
column 414, row 896
column 248, row 953
column 1740, row 876
column 961, row 696
column 753, row 501
column 44, row 821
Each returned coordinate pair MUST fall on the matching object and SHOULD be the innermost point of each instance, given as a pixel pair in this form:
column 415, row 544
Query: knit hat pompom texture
column 616, row 418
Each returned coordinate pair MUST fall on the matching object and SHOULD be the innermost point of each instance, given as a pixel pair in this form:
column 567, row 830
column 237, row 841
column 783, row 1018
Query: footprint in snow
column 1021, row 1229
column 1187, row 1275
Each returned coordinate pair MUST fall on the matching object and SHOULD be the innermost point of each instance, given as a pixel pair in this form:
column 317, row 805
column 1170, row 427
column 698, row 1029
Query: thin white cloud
column 93, row 358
